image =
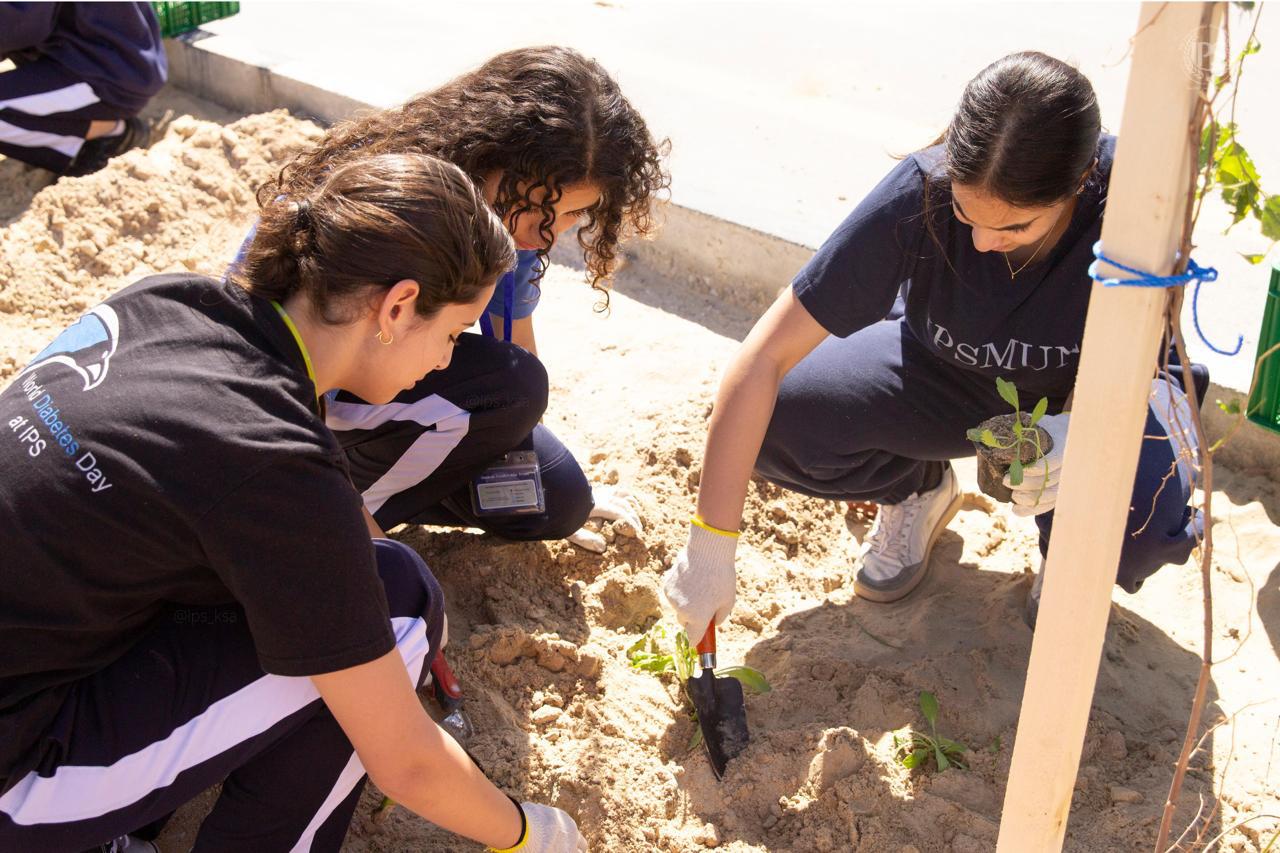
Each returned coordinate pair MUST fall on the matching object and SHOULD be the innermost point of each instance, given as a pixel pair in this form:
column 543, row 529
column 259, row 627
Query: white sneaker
column 895, row 555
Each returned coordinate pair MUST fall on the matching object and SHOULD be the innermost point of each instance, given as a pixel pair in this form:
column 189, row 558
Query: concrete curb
column 727, row 261
column 200, row 64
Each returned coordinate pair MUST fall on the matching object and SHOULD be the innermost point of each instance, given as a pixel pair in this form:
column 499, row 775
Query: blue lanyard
column 508, row 285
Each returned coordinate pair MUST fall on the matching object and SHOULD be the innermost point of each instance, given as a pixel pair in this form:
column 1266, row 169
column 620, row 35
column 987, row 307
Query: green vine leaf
column 1015, row 472
column 1270, row 218
column 1038, row 412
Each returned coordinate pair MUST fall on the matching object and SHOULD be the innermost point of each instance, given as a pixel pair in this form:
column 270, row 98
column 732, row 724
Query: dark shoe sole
column 96, row 153
column 886, row 596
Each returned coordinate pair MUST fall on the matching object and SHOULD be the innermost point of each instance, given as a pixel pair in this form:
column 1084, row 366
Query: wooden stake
column 1141, row 228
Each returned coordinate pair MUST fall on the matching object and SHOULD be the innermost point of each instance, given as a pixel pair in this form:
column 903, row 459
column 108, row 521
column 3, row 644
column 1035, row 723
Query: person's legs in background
column 565, row 487
column 48, row 117
column 415, row 458
column 1162, row 527
column 876, row 417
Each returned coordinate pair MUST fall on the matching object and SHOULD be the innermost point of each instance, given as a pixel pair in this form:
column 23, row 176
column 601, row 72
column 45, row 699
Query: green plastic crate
column 1264, row 402
column 178, row 18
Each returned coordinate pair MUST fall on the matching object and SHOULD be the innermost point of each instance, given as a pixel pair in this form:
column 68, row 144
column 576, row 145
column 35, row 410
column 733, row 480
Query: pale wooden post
column 1142, row 227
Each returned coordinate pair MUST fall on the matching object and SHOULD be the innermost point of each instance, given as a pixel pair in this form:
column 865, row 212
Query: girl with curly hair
column 548, row 136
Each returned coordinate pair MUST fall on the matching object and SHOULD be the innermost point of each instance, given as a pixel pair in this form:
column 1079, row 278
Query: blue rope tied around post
column 1195, row 273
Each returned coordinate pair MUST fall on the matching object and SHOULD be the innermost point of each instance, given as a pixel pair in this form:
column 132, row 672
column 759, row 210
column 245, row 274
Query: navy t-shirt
column 960, row 303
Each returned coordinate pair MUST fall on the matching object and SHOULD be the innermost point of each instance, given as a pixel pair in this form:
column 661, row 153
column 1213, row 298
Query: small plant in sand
column 912, row 749
column 656, row 652
column 1008, row 443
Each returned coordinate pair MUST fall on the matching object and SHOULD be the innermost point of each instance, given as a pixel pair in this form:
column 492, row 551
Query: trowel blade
column 722, row 715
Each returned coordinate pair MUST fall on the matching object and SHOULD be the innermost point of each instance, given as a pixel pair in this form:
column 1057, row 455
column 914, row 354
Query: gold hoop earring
column 385, row 342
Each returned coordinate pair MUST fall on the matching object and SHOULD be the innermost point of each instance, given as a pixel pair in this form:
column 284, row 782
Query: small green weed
column 650, row 654
column 912, row 749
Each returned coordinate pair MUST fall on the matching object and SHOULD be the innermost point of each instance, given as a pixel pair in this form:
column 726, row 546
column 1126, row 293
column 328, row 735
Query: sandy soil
column 540, row 630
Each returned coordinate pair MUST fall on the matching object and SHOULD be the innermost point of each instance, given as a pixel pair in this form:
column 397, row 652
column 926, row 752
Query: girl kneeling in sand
column 554, row 144
column 968, row 262
column 188, row 592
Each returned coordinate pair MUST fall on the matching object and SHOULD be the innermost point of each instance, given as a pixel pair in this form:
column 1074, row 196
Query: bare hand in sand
column 611, row 504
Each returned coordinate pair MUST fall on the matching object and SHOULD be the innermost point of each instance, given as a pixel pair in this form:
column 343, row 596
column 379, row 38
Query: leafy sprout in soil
column 657, row 653
column 1022, row 435
column 913, row 749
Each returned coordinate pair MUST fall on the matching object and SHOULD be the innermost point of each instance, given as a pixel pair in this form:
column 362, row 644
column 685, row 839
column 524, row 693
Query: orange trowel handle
column 707, row 645
column 445, row 678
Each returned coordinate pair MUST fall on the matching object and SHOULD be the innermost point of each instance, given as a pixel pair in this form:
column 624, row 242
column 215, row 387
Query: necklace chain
column 1014, row 273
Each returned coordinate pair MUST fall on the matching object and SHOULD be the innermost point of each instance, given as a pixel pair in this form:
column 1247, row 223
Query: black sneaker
column 95, row 153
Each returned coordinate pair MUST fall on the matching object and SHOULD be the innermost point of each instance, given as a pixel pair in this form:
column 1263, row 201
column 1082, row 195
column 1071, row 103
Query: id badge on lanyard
column 511, row 486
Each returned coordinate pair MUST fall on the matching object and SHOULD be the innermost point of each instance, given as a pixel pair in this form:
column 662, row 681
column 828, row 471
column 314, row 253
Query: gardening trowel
column 449, row 694
column 722, row 710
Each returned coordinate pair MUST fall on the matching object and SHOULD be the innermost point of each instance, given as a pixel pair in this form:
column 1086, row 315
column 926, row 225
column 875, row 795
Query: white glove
column 611, row 504
column 701, row 584
column 549, row 830
column 1038, row 491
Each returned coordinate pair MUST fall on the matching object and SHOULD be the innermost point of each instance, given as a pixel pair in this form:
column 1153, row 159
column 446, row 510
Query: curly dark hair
column 545, row 117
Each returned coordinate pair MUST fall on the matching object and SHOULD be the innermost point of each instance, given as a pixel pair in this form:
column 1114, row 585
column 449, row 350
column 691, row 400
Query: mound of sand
column 540, row 630
column 176, row 206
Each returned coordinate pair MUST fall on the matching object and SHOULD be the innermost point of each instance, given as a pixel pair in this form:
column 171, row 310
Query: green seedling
column 913, row 749
column 652, row 653
column 1022, row 435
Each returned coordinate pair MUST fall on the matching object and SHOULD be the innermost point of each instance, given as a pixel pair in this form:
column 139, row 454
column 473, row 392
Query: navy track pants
column 413, row 459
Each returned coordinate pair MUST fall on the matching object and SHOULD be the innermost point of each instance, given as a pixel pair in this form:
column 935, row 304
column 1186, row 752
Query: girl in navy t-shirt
column 968, row 262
